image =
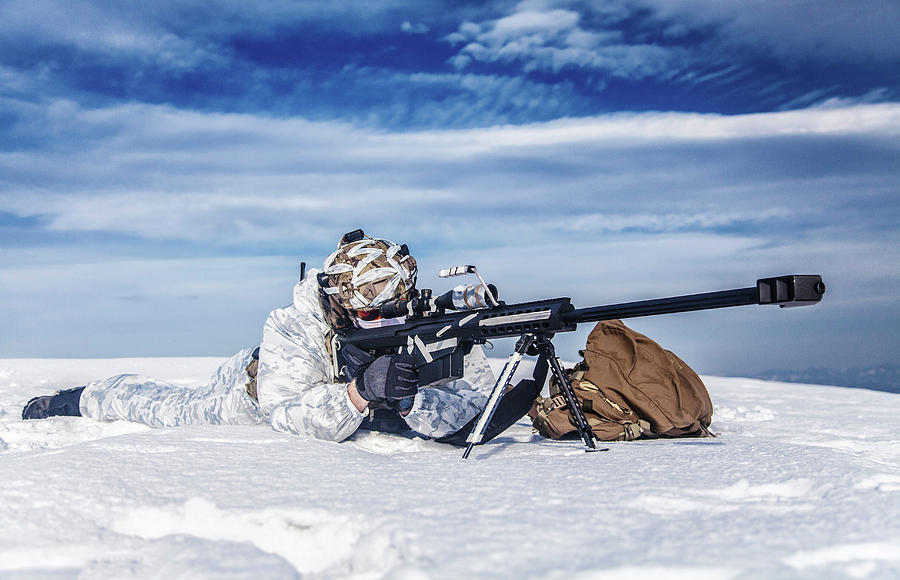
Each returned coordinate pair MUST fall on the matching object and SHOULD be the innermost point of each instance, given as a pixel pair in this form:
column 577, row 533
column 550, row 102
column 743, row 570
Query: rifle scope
column 471, row 297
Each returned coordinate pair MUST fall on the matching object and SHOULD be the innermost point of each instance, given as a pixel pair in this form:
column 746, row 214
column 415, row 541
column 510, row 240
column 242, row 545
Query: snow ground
column 802, row 482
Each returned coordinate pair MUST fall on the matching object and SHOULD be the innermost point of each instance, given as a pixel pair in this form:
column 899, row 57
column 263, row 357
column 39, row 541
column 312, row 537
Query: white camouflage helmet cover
column 364, row 273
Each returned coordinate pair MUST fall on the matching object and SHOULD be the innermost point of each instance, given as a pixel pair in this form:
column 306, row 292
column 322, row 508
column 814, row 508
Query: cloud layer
column 441, row 65
column 629, row 205
column 163, row 168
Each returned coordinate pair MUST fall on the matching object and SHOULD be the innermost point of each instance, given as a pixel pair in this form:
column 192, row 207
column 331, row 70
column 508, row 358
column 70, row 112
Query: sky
column 164, row 167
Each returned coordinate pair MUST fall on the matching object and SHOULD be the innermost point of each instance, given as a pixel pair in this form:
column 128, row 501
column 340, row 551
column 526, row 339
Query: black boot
column 62, row 403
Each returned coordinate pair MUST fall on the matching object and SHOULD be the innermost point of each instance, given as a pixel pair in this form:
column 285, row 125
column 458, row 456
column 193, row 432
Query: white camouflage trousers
column 222, row 401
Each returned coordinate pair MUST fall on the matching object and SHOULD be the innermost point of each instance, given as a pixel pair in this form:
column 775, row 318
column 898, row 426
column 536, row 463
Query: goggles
column 367, row 315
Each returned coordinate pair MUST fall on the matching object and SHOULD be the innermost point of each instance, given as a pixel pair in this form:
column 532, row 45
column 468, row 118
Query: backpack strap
column 609, row 430
column 541, row 420
column 635, row 430
column 550, row 418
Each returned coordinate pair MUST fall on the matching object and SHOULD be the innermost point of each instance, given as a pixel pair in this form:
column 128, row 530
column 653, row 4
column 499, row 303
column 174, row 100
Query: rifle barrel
column 706, row 301
column 792, row 290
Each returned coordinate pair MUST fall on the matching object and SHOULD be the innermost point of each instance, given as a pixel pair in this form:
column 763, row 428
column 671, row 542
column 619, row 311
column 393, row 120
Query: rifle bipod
column 540, row 345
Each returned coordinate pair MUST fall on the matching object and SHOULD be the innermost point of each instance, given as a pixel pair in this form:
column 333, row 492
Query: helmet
column 362, row 274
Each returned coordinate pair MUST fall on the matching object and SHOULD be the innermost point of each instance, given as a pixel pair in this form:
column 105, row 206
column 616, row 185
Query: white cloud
column 879, row 95
column 414, row 27
column 161, row 173
column 550, row 35
column 669, row 222
column 604, row 209
column 553, row 39
column 830, row 30
column 114, row 22
column 106, row 31
column 456, row 99
column 690, row 201
column 631, row 128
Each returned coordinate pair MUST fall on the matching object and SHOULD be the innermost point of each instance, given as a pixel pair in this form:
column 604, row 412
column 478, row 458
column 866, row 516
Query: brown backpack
column 629, row 387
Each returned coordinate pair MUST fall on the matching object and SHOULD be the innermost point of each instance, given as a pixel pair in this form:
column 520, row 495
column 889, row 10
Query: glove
column 389, row 379
column 356, row 360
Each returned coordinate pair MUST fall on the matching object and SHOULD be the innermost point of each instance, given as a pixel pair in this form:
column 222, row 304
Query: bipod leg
column 506, row 375
column 546, row 350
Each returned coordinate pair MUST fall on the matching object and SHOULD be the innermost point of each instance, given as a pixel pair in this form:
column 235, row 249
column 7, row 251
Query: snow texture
column 801, row 482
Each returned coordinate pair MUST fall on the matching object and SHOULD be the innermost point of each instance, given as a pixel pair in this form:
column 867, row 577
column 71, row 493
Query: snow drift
column 802, row 482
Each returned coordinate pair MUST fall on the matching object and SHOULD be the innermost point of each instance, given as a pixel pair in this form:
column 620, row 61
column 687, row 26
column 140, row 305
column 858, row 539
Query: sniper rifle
column 440, row 331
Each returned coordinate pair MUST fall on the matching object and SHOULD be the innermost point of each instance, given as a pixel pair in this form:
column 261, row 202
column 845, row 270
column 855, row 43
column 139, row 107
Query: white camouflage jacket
column 298, row 391
column 296, row 386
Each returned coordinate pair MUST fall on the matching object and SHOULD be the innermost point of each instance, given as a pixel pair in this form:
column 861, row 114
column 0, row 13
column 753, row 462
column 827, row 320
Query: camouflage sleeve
column 439, row 411
column 295, row 382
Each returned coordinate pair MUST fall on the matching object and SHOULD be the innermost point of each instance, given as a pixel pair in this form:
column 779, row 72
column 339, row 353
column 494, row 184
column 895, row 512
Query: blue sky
column 165, row 166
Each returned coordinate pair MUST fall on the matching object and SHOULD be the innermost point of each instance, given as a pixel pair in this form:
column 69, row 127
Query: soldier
column 290, row 380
